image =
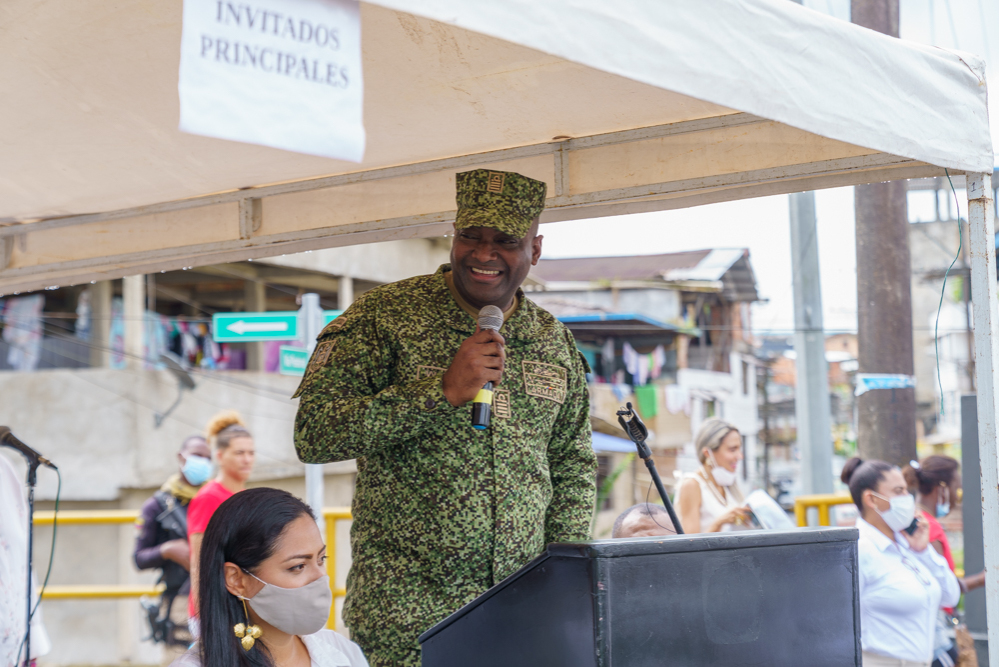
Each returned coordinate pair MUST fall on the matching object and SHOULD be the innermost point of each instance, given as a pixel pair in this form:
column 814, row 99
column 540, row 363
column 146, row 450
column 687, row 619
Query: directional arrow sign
column 292, row 360
column 249, row 327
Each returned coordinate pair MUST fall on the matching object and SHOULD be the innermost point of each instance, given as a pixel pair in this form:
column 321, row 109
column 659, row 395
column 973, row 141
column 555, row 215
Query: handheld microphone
column 490, row 317
column 7, row 439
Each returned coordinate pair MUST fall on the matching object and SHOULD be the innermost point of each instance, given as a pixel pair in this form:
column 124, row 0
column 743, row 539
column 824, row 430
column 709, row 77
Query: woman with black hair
column 264, row 596
column 903, row 582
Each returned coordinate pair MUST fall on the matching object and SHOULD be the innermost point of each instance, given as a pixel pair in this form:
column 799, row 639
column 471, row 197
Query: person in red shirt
column 234, row 454
column 937, row 482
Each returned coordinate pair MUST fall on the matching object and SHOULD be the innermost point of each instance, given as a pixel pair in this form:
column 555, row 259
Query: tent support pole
column 981, row 214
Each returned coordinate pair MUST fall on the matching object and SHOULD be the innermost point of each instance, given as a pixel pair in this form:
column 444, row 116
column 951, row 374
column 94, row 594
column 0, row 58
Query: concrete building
column 685, row 314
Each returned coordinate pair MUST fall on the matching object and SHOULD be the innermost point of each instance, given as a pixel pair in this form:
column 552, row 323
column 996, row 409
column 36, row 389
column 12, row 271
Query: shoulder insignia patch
column 545, row 380
column 320, row 356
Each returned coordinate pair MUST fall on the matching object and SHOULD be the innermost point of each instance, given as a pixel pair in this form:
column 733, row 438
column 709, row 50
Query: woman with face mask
column 903, row 582
column 265, row 597
column 235, row 453
column 709, row 500
column 937, row 482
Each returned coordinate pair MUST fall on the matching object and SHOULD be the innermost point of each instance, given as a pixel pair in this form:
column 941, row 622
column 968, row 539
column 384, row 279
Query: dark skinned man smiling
column 443, row 511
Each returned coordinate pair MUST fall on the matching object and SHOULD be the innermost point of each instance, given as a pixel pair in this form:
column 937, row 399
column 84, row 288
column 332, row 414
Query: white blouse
column 326, row 649
column 901, row 591
column 713, row 504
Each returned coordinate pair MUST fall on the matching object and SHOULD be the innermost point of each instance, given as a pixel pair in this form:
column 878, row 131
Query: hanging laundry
column 22, row 331
column 658, row 361
column 677, row 399
column 648, row 405
column 607, row 358
column 630, row 357
column 621, row 390
column 644, row 368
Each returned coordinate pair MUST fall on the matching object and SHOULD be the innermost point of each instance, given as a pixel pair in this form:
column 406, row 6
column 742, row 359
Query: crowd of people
column 257, row 570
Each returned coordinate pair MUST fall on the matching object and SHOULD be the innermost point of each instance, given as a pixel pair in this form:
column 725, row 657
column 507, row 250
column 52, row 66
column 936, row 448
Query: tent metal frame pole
column 981, row 216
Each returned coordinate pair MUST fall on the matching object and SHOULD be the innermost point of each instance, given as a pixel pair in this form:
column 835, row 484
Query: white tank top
column 713, row 505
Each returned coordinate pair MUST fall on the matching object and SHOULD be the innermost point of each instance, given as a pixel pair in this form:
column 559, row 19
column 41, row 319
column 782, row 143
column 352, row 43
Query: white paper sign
column 281, row 73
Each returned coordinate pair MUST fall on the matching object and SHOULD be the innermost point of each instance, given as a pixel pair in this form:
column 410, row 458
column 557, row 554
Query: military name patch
column 320, row 356
column 545, row 380
column 496, row 181
column 501, row 403
column 427, row 371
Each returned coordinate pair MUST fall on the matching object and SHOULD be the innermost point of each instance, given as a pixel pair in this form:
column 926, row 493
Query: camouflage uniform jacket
column 443, row 511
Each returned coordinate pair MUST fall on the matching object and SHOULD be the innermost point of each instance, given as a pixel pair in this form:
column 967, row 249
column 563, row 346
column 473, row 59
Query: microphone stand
column 31, row 481
column 638, row 433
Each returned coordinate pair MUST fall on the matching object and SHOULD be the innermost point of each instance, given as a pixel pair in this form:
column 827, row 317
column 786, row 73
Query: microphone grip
column 482, row 407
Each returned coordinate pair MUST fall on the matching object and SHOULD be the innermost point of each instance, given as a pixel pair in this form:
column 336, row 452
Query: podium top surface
column 745, row 539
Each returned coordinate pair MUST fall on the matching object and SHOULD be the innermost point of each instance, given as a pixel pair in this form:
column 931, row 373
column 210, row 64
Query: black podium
column 767, row 599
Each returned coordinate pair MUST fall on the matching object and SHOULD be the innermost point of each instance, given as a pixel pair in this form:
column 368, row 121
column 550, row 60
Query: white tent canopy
column 620, row 107
column 624, row 106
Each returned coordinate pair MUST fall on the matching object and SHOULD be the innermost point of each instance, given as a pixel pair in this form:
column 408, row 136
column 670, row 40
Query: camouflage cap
column 503, row 200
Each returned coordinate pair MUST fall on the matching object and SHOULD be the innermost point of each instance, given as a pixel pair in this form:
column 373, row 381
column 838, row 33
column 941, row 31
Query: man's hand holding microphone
column 478, row 365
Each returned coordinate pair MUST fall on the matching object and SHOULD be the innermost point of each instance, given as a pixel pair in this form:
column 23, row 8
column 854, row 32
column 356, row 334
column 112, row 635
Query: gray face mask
column 297, row 611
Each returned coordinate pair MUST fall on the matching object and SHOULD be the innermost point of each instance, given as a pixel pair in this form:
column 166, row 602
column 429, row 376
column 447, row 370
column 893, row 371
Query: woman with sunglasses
column 903, row 582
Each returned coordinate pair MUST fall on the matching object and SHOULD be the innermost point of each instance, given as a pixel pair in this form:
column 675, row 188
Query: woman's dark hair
column 862, row 475
column 931, row 473
column 244, row 530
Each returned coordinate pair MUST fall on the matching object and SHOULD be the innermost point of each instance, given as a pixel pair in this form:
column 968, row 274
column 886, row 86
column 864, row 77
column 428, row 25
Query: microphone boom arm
column 632, row 424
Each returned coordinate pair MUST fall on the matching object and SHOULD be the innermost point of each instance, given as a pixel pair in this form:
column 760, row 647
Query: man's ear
column 536, row 249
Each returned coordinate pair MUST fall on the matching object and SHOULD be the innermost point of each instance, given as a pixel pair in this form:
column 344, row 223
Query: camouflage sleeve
column 348, row 406
column 572, row 464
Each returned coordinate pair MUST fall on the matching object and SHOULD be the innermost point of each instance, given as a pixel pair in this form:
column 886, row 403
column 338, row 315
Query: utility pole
column 811, row 390
column 887, row 417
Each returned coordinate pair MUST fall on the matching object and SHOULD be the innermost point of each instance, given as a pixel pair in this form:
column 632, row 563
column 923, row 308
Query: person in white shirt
column 265, row 596
column 903, row 583
column 709, row 500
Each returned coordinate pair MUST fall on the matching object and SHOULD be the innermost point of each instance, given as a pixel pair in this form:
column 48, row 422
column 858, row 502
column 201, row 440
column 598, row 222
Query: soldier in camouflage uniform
column 443, row 511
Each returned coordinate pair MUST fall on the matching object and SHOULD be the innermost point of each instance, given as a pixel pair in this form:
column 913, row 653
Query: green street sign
column 250, row 327
column 255, row 327
column 292, row 360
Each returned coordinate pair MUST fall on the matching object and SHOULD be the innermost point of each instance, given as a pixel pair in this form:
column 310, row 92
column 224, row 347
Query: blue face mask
column 197, row 469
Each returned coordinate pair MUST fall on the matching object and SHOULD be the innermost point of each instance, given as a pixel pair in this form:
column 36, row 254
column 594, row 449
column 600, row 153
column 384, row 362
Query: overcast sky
column 761, row 225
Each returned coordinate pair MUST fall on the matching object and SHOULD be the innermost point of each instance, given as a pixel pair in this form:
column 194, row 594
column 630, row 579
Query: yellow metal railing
column 109, row 517
column 821, row 501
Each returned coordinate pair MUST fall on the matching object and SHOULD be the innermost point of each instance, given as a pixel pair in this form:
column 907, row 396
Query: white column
column 255, row 301
column 100, row 323
column 134, row 308
column 310, row 324
column 986, row 312
column 345, row 293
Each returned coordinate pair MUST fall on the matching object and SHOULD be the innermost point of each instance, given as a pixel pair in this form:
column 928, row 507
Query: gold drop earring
column 248, row 634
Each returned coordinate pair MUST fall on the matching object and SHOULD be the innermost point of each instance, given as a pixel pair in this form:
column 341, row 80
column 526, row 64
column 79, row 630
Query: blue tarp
column 608, row 443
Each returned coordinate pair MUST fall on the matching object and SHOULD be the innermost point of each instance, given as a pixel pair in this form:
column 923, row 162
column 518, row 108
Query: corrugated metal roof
column 640, row 267
column 728, row 266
